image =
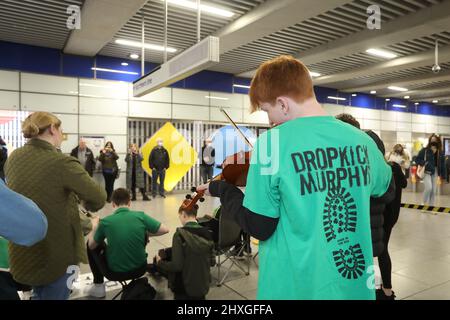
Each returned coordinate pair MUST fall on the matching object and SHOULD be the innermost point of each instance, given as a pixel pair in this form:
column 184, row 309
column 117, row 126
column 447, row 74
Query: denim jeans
column 430, row 189
column 57, row 290
column 155, row 174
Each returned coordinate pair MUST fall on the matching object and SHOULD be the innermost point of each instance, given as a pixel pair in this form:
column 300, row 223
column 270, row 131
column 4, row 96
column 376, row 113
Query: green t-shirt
column 319, row 187
column 4, row 258
column 125, row 233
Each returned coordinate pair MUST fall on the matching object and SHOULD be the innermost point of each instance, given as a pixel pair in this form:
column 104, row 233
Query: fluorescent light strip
column 354, row 95
column 241, row 86
column 388, row 99
column 149, row 46
column 114, row 71
column 203, row 8
column 217, row 98
column 399, row 106
column 393, row 88
column 381, row 53
column 337, row 98
column 373, row 92
column 435, row 101
column 406, row 97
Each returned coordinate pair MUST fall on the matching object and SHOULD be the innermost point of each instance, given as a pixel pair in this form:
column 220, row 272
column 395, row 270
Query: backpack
column 139, row 289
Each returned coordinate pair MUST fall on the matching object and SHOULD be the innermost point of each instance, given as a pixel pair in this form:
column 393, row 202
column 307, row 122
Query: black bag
column 139, row 289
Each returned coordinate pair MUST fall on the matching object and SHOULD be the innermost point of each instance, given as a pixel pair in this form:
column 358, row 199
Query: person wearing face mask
column 207, row 161
column 308, row 190
column 108, row 158
column 135, row 173
column 399, row 156
column 159, row 162
column 54, row 182
column 434, row 161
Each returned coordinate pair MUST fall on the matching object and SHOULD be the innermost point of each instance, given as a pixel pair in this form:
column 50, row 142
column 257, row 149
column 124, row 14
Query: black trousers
column 161, row 174
column 206, row 172
column 109, row 183
column 384, row 260
column 133, row 186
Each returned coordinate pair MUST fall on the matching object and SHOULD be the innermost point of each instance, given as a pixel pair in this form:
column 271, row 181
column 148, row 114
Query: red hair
column 282, row 76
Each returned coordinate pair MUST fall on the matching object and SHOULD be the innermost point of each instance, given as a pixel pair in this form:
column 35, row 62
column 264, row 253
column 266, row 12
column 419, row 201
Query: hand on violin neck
column 204, row 188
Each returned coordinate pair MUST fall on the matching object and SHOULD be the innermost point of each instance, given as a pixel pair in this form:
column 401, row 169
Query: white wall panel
column 49, row 103
column 258, row 117
column 49, row 84
column 389, row 125
column 404, row 137
column 404, row 117
column 403, row 126
column 120, row 143
column 122, row 164
column 418, row 127
column 9, row 80
column 371, row 114
column 443, row 130
column 103, row 89
column 443, row 121
column 182, row 111
column 70, row 143
column 160, row 95
column 235, row 114
column 141, row 109
column 356, row 112
column 9, row 100
column 388, row 115
column 371, row 124
column 333, row 109
column 422, row 118
column 192, row 97
column 217, row 99
column 102, row 125
column 108, row 107
column 430, row 128
column 69, row 122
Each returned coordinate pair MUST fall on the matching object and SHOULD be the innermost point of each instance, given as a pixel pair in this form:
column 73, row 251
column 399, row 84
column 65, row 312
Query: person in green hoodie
column 188, row 262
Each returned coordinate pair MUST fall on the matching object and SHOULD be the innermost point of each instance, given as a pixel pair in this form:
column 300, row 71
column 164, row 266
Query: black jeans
column 206, row 172
column 384, row 260
column 161, row 174
column 109, row 183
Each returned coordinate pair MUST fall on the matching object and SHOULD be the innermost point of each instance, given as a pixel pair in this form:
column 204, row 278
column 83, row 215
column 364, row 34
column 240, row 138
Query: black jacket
column 426, row 158
column 378, row 205
column 3, row 158
column 90, row 161
column 392, row 211
column 159, row 159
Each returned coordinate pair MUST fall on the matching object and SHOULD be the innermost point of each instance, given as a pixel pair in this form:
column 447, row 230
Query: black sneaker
column 382, row 296
column 162, row 195
column 146, row 198
column 133, row 199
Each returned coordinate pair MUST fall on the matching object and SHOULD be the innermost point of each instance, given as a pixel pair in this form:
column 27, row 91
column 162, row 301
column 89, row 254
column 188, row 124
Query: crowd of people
column 319, row 235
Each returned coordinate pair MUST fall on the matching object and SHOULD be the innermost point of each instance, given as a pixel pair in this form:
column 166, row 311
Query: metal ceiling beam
column 270, row 17
column 419, row 93
column 100, row 21
column 425, row 22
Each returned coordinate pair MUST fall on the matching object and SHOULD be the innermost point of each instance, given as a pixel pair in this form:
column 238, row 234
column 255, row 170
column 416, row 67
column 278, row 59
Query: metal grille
column 11, row 131
column 139, row 131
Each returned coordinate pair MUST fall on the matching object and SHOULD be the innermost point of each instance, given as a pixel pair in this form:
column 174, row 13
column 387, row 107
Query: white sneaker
column 96, row 290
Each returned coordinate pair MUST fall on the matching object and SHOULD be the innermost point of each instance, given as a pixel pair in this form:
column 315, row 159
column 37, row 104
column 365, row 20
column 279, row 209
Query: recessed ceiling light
column 114, row 71
column 354, row 95
column 134, row 56
column 394, row 88
column 406, row 97
column 203, row 8
column 336, row 98
column 381, row 53
column 149, row 46
column 373, row 92
column 416, row 104
column 435, row 101
column 241, row 86
column 388, row 99
column 124, row 64
column 314, row 74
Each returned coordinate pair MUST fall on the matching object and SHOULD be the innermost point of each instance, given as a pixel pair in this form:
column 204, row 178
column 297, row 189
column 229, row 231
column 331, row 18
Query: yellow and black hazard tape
column 425, row 208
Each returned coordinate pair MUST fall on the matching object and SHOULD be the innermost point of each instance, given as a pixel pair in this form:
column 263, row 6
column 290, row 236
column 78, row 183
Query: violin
column 234, row 170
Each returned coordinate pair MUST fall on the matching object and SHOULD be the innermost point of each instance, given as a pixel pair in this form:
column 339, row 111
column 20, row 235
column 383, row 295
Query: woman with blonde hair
column 399, row 156
column 54, row 182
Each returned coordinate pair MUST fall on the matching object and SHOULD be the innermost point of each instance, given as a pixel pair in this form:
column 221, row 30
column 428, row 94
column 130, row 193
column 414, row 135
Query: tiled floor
column 420, row 252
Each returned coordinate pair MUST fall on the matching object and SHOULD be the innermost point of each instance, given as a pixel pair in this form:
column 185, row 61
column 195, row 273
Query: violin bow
column 236, row 128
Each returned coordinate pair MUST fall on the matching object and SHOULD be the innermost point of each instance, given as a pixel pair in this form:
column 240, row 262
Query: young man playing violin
column 308, row 192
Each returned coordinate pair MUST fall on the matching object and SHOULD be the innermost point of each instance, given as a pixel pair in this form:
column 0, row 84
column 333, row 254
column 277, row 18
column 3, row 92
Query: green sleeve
column 380, row 171
column 99, row 235
column 262, row 194
column 151, row 224
column 76, row 179
column 176, row 264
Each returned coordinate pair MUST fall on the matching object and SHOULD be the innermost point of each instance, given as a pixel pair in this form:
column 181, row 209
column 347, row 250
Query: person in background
column 434, row 161
column 159, row 162
column 108, row 158
column 377, row 204
column 85, row 156
column 55, row 182
column 22, row 223
column 399, row 156
column 126, row 233
column 187, row 263
column 135, row 173
column 390, row 215
column 207, row 161
column 3, row 157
